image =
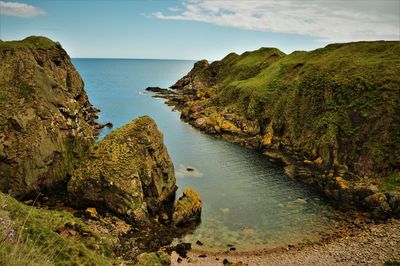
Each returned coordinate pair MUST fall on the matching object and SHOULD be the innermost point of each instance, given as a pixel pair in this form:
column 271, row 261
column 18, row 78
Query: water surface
column 248, row 201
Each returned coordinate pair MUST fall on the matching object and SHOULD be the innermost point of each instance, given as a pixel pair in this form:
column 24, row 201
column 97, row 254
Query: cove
column 248, row 201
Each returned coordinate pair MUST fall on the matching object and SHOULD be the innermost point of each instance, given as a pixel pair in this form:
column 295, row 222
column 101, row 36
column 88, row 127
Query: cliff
column 128, row 172
column 333, row 113
column 344, row 97
column 46, row 119
column 84, row 202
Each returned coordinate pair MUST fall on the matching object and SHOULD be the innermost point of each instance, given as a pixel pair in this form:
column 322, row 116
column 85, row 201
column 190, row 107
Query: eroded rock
column 187, row 208
column 129, row 172
column 46, row 119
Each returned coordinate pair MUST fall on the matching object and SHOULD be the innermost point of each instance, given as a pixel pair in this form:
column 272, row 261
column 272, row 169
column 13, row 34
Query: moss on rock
column 46, row 119
column 128, row 172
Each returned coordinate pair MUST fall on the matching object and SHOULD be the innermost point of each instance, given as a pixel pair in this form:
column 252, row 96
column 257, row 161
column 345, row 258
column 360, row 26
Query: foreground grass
column 32, row 236
column 23, row 252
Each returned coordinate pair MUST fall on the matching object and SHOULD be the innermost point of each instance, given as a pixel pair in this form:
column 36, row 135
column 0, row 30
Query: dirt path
column 369, row 244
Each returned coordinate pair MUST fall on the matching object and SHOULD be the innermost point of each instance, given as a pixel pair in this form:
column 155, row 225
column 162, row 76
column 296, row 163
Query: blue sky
column 196, row 29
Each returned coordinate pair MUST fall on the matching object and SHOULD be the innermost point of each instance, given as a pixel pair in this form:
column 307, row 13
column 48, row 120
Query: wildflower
column 7, row 229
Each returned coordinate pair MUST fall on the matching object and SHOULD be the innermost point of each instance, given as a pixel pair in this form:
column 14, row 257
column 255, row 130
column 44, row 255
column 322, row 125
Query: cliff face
column 46, row 120
column 339, row 104
column 333, row 114
column 129, row 172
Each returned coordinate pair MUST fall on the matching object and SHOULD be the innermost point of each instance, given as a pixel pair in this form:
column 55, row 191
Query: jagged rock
column 187, row 209
column 129, row 172
column 194, row 79
column 158, row 258
column 46, row 119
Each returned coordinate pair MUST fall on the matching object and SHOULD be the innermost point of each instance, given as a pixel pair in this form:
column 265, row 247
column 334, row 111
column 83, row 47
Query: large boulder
column 187, row 208
column 129, row 172
column 46, row 119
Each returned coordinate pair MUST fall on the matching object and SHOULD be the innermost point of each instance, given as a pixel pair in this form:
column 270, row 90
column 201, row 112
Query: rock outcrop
column 187, row 209
column 128, row 172
column 46, row 119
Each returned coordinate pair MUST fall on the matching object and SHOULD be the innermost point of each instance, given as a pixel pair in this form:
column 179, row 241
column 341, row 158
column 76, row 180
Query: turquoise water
column 248, row 201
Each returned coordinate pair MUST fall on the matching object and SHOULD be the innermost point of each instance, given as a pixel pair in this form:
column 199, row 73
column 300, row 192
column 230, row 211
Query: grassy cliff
column 340, row 103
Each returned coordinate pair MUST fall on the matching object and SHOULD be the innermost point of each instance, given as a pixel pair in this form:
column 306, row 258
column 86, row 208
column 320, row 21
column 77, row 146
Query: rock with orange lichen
column 187, row 209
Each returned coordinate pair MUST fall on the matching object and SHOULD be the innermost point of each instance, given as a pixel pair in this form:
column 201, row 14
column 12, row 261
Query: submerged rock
column 46, row 119
column 129, row 172
column 187, row 209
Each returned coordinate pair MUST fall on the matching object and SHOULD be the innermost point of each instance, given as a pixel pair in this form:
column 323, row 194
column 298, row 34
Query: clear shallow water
column 248, row 201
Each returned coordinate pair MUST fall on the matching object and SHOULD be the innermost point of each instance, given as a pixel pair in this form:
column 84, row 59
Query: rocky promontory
column 89, row 203
column 330, row 115
column 46, row 120
column 128, row 172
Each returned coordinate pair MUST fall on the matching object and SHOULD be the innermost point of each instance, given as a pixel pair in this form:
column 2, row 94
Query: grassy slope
column 30, row 42
column 38, row 240
column 341, row 102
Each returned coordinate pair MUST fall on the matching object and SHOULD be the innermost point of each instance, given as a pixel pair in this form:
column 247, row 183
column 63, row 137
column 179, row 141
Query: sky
column 197, row 29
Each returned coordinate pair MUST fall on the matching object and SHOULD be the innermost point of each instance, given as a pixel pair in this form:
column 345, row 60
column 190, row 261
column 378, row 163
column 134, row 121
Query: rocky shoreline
column 85, row 202
column 113, row 201
column 352, row 243
column 339, row 185
column 307, row 112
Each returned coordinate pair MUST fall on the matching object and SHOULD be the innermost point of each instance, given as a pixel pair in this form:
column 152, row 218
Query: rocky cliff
column 116, row 196
column 128, row 172
column 46, row 120
column 332, row 113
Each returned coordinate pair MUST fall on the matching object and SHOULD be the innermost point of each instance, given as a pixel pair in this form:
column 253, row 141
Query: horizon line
column 137, row 58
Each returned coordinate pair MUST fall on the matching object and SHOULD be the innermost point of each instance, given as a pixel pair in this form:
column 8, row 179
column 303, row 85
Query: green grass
column 344, row 97
column 391, row 182
column 30, row 42
column 39, row 241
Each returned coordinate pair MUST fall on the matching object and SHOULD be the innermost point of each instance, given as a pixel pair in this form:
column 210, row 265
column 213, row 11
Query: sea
column 248, row 201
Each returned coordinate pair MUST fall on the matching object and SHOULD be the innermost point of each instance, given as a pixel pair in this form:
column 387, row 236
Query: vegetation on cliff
column 33, row 236
column 128, row 172
column 340, row 103
column 47, row 145
column 331, row 115
column 46, row 120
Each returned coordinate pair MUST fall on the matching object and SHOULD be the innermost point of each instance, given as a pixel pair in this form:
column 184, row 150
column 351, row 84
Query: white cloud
column 174, row 8
column 20, row 9
column 326, row 20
